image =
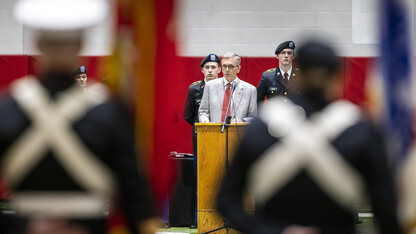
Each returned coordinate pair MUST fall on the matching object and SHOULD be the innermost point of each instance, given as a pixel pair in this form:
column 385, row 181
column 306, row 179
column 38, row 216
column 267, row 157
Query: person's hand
column 237, row 120
column 149, row 226
column 301, row 230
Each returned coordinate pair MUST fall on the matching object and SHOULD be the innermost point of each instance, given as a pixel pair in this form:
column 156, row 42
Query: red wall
column 354, row 73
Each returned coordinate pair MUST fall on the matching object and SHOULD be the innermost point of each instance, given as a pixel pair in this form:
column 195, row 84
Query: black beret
column 315, row 54
column 210, row 58
column 80, row 70
column 285, row 45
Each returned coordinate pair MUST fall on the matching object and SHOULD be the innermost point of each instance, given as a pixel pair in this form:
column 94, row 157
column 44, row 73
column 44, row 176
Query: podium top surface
column 220, row 124
column 201, row 126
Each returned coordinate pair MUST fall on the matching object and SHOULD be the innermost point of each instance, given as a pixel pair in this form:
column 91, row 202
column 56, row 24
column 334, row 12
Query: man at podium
column 228, row 96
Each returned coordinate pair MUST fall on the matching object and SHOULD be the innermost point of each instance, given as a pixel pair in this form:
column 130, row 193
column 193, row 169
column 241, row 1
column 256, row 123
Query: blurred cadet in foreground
column 65, row 154
column 309, row 161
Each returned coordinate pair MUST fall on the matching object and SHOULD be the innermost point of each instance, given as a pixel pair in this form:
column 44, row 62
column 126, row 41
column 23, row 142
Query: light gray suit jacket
column 243, row 101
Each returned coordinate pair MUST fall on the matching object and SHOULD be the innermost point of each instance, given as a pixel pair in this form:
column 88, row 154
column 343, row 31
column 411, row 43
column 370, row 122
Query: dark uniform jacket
column 192, row 102
column 107, row 131
column 272, row 84
column 191, row 107
column 301, row 201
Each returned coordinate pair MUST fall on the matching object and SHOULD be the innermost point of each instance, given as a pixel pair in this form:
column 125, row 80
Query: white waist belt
column 69, row 205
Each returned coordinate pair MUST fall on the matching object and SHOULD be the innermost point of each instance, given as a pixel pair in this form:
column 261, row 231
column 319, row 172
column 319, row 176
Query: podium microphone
column 227, row 119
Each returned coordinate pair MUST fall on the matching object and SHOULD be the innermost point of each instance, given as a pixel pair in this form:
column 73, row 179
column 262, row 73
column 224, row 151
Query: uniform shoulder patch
column 270, row 70
column 195, row 83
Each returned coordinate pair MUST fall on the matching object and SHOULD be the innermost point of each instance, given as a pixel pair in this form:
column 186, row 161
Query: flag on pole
column 396, row 71
column 398, row 100
column 144, row 70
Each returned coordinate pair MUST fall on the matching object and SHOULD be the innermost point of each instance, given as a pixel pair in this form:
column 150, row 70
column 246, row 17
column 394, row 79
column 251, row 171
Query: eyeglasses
column 231, row 67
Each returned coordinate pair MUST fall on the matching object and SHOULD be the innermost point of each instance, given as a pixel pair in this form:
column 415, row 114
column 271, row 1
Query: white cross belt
column 51, row 129
column 305, row 145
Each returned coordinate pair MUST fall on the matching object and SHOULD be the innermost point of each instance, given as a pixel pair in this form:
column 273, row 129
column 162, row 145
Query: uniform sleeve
column 204, row 107
column 261, row 90
column 381, row 182
column 189, row 107
column 134, row 191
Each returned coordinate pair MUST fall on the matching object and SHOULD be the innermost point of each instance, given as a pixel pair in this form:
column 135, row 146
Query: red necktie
column 227, row 96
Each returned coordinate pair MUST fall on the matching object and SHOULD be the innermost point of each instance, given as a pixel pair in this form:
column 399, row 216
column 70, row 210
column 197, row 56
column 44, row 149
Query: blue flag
column 396, row 70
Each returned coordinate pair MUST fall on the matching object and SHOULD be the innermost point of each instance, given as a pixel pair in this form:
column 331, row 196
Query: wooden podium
column 212, row 145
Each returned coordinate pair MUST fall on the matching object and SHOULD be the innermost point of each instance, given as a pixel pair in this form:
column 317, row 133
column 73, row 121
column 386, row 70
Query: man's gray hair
column 233, row 55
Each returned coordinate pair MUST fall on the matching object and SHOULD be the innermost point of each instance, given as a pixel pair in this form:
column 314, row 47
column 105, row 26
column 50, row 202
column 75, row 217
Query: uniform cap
column 80, row 70
column 60, row 15
column 315, row 54
column 285, row 45
column 210, row 58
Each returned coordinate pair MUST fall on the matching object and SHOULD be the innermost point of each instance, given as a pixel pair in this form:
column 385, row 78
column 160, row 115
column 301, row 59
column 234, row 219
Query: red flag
column 146, row 71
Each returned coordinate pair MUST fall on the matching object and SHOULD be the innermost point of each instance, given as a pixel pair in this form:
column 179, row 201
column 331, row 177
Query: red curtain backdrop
column 355, row 72
column 170, row 90
column 12, row 67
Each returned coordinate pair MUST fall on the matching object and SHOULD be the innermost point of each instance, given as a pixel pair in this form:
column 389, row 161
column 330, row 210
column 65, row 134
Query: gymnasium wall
column 247, row 27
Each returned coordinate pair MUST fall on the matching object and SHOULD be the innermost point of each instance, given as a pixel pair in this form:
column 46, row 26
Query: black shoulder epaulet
column 195, row 83
column 270, row 70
